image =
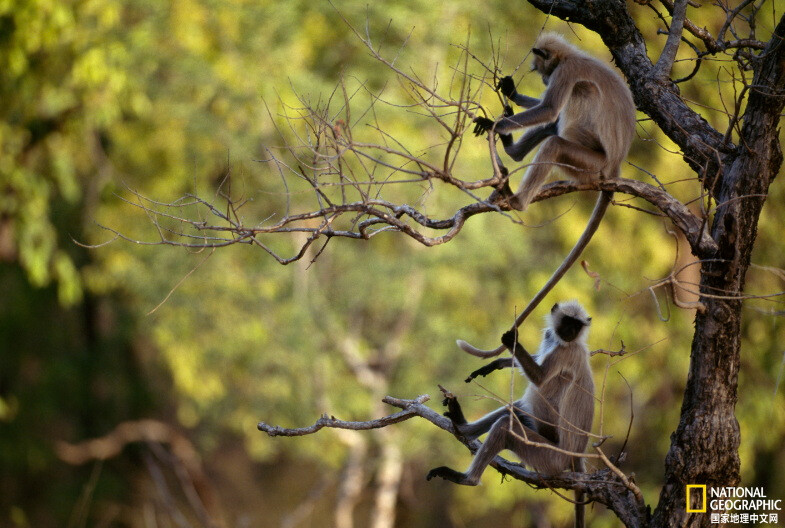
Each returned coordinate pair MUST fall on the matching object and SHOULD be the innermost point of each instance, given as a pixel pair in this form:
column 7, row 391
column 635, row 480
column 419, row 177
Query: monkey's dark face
column 568, row 328
column 538, row 65
column 544, row 63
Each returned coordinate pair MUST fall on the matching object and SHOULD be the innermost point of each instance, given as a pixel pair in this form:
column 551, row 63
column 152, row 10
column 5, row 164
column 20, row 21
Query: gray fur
column 558, row 411
column 595, row 113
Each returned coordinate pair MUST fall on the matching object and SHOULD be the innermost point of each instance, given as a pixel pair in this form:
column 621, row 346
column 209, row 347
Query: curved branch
column 410, row 410
column 384, row 215
column 693, row 227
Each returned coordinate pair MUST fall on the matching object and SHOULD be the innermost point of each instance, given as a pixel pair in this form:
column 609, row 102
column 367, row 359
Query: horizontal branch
column 602, row 486
column 334, row 423
column 381, row 215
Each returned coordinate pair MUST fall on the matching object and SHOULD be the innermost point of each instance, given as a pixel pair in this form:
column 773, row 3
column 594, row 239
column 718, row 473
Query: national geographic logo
column 696, row 498
column 736, row 505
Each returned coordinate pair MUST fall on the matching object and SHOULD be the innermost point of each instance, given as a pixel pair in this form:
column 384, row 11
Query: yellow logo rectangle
column 703, row 498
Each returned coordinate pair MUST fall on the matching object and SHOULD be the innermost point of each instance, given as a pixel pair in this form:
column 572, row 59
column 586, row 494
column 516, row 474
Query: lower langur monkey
column 556, row 409
column 586, row 121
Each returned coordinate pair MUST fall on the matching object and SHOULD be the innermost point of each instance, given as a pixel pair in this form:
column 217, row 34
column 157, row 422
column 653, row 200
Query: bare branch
column 604, row 486
column 662, row 68
column 411, row 408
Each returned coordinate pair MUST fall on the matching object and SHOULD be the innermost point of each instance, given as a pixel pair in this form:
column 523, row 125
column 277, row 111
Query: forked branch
column 604, row 486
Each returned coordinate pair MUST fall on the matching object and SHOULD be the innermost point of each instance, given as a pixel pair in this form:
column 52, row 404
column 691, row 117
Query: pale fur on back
column 600, row 107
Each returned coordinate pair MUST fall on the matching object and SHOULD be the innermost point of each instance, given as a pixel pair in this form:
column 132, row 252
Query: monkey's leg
column 469, row 431
column 500, row 437
column 541, row 459
column 492, row 445
column 517, row 151
column 582, row 163
column 483, row 425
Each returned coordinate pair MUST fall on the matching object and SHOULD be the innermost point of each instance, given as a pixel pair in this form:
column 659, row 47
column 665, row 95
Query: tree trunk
column 704, row 448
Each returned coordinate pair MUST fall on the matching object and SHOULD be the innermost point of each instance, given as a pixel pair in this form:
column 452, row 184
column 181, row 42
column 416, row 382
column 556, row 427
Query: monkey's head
column 549, row 50
column 570, row 321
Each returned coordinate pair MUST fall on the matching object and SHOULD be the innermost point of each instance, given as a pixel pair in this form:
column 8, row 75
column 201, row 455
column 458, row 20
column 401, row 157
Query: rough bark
column 704, row 447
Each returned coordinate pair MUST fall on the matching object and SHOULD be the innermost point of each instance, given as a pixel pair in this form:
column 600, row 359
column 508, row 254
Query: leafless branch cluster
column 608, row 486
column 358, row 174
column 354, row 177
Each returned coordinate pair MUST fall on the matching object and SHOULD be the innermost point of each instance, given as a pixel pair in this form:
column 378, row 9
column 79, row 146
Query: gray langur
column 556, row 409
column 586, row 122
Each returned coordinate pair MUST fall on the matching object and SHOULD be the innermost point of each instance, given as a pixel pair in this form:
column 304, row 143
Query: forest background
column 100, row 99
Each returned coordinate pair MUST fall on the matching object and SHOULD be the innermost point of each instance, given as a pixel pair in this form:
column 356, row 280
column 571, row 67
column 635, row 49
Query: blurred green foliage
column 99, row 96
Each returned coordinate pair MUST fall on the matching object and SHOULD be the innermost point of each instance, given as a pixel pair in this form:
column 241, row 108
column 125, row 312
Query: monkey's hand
column 482, row 125
column 509, row 339
column 506, row 87
column 449, row 474
column 483, row 371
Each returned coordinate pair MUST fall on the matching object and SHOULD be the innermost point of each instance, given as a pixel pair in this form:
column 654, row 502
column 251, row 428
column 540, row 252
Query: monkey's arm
column 483, row 124
column 530, row 367
column 547, row 111
column 519, row 149
column 529, row 140
column 524, row 100
column 541, row 113
column 497, row 364
column 506, row 87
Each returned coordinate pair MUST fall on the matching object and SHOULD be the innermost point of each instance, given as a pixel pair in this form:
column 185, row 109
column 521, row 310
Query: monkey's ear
column 541, row 53
column 588, row 320
column 554, row 307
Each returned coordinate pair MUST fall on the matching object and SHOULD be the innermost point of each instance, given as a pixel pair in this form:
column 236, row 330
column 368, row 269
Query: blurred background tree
column 99, row 96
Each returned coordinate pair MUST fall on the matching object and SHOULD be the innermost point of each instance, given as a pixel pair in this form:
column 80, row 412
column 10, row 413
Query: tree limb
column 664, row 65
column 602, row 486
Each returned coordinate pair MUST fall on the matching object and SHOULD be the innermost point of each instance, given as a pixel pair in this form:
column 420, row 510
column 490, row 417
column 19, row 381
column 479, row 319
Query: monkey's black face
column 569, row 328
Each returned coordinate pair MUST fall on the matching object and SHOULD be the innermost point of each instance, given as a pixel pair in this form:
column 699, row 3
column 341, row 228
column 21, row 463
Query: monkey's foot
column 449, row 474
column 454, row 411
column 501, row 197
column 447, row 395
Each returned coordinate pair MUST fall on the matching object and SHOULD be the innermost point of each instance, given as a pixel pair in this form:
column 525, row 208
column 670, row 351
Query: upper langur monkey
column 556, row 409
column 588, row 113
column 586, row 121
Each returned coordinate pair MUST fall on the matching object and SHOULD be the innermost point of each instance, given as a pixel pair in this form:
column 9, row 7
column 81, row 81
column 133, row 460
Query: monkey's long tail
column 580, row 506
column 591, row 227
column 580, row 502
column 580, row 510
